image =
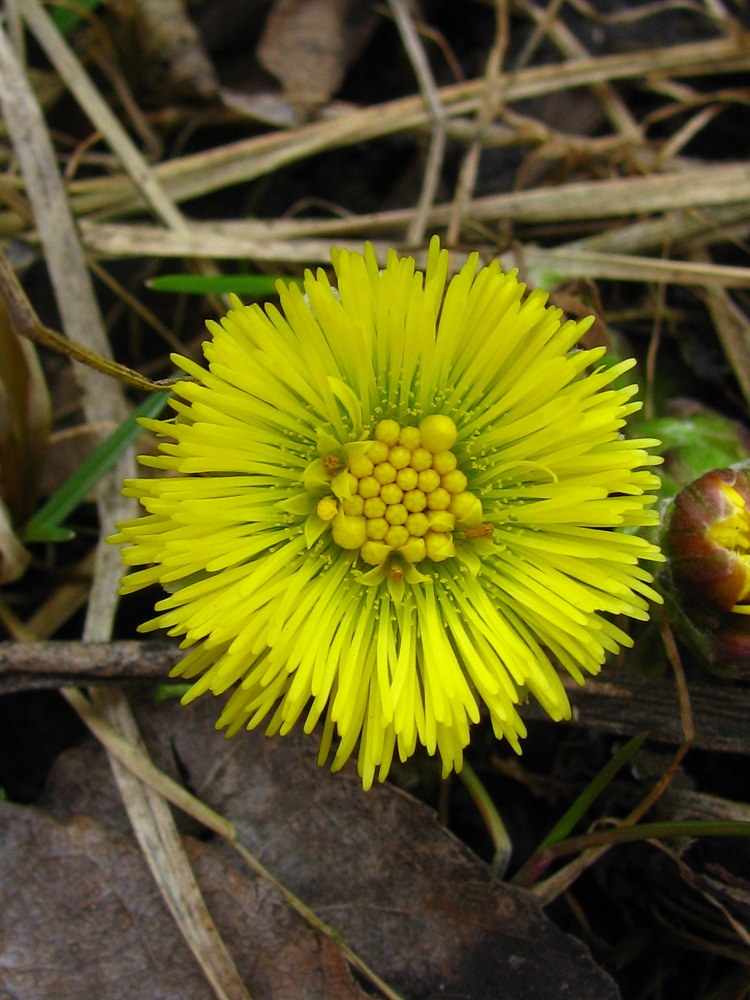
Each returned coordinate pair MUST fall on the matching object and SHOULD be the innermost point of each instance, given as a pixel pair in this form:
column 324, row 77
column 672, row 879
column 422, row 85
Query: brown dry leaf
column 14, row 558
column 80, row 917
column 413, row 901
column 25, row 415
column 309, row 45
column 25, row 421
column 732, row 327
column 174, row 54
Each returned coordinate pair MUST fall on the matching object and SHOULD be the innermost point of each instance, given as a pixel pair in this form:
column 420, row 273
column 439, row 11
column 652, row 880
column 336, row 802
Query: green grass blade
column 530, row 871
column 591, row 792
column 46, row 524
column 663, row 830
column 256, row 285
column 168, row 692
column 66, row 16
column 495, row 826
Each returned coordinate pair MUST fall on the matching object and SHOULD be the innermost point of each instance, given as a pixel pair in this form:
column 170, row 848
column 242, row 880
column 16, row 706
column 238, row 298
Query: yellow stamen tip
column 439, row 433
column 327, row 509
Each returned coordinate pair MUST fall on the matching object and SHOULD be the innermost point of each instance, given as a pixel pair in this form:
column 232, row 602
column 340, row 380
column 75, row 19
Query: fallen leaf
column 14, row 558
column 169, row 47
column 81, row 917
column 413, row 901
column 309, row 44
column 24, row 426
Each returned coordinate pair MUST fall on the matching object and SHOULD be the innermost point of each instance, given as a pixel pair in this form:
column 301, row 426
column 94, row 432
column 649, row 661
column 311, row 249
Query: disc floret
column 406, row 496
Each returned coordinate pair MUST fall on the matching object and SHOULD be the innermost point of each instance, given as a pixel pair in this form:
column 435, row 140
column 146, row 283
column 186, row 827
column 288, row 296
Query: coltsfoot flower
column 391, row 502
column 708, row 540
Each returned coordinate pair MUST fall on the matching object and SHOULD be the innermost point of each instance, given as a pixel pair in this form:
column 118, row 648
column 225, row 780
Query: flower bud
column 708, row 539
column 439, row 546
column 440, row 520
column 349, row 532
column 414, row 551
column 467, row 509
column 375, row 553
column 729, row 647
column 438, row 433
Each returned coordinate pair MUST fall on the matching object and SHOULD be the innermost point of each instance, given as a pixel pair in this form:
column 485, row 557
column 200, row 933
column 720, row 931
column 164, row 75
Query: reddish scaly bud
column 708, row 540
column 730, row 647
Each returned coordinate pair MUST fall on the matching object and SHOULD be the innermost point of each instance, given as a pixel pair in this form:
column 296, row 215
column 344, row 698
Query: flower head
column 708, row 540
column 393, row 501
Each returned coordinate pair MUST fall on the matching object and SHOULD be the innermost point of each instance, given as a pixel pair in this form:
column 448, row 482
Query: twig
column 200, row 173
column 550, row 888
column 53, row 664
column 613, row 105
column 470, row 165
column 622, row 705
column 152, row 821
column 27, row 324
column 436, row 151
column 100, row 113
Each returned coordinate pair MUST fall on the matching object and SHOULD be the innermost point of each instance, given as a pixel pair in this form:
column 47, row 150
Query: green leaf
column 46, row 524
column 694, row 445
column 257, row 285
column 168, row 692
column 54, row 534
column 66, row 16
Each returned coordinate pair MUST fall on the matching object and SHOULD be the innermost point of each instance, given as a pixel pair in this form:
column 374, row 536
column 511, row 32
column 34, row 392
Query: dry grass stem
column 436, row 151
column 99, row 113
column 732, row 326
column 549, row 889
column 200, row 173
column 160, row 842
column 152, row 821
column 113, row 240
column 563, row 38
column 467, row 176
column 696, row 187
column 73, row 289
column 681, row 227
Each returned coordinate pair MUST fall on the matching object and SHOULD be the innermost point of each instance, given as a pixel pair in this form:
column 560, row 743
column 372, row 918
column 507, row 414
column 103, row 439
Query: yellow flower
column 392, row 502
column 708, row 540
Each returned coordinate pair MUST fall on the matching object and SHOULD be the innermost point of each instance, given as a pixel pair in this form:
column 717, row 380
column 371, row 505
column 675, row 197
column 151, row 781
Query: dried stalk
column 200, row 173
column 149, row 813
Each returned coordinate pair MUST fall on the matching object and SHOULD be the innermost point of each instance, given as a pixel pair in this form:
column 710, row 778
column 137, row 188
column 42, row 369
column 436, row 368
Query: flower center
column 405, row 495
column 733, row 532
